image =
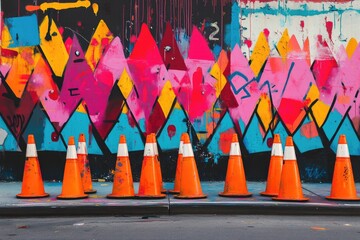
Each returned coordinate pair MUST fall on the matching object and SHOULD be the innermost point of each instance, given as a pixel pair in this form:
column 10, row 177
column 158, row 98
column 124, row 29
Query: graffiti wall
column 209, row 68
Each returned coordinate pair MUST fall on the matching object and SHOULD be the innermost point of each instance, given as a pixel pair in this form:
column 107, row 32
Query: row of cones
column 283, row 182
column 77, row 176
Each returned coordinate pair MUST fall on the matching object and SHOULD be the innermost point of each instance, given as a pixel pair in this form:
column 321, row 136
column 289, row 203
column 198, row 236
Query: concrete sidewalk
column 98, row 204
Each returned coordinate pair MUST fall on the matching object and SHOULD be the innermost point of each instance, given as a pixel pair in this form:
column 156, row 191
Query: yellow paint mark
column 125, row 84
column 81, row 108
column 283, row 44
column 320, row 111
column 260, row 53
column 221, row 79
column 350, row 48
column 59, row 6
column 316, row 228
column 217, row 72
column 54, row 49
column 20, row 71
column 264, row 110
column 101, row 38
column 95, row 8
column 166, row 98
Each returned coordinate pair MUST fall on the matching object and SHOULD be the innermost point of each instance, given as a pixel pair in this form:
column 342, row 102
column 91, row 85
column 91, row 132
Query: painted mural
column 209, row 68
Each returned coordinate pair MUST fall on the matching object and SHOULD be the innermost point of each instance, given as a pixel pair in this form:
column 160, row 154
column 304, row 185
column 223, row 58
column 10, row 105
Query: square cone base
column 303, row 199
column 266, row 194
column 120, row 197
column 150, row 197
column 342, row 199
column 32, row 196
column 90, row 191
column 234, row 195
column 72, row 197
column 173, row 192
column 191, row 197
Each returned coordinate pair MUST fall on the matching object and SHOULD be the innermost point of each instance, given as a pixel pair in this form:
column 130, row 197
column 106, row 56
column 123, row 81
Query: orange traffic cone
column 190, row 183
column 84, row 166
column 343, row 184
column 275, row 167
column 158, row 166
column 123, row 186
column 290, row 185
column 32, row 184
column 235, row 182
column 72, row 187
column 178, row 167
column 149, row 184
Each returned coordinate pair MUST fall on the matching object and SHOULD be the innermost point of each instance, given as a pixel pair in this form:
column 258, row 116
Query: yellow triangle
column 166, row 98
column 320, row 111
column 81, row 108
column 351, row 47
column 264, row 110
column 260, row 54
column 125, row 109
column 97, row 44
column 283, row 44
column 125, row 84
column 53, row 49
column 177, row 105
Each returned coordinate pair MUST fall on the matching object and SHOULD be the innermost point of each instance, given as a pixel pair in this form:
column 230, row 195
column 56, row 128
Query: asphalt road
column 183, row 227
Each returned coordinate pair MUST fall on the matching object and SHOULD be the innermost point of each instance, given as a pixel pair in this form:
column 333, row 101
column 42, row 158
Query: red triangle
column 145, row 47
column 170, row 51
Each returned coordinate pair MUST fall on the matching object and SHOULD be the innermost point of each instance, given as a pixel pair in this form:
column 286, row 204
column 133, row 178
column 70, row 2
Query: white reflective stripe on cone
column 277, row 150
column 31, row 150
column 235, row 149
column 122, row 150
column 149, row 150
column 188, row 152
column 181, row 147
column 289, row 153
column 342, row 150
column 156, row 152
column 82, row 148
column 71, row 152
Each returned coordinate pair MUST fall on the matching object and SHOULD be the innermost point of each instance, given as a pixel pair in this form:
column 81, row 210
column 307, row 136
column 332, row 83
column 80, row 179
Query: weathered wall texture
column 210, row 68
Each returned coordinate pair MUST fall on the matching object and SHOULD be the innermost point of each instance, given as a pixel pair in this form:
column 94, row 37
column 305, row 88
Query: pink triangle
column 199, row 48
column 111, row 64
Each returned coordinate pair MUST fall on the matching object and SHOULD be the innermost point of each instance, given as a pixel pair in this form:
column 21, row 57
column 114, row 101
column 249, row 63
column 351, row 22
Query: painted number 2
column 216, row 31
